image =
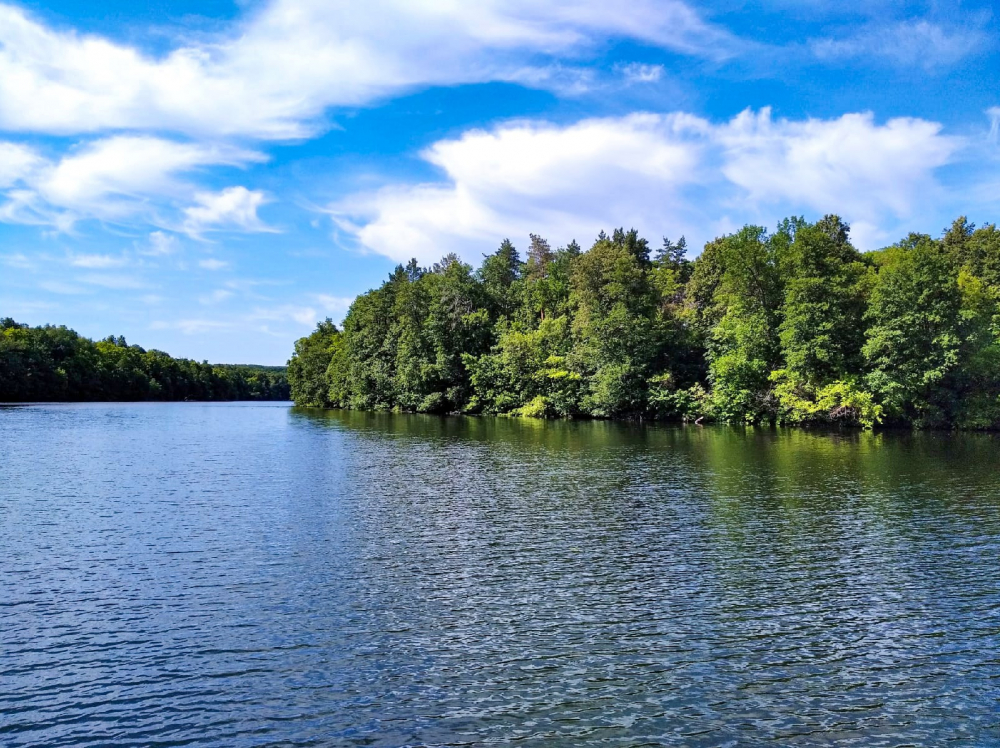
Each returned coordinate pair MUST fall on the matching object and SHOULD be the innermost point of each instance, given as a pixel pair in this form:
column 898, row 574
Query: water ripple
column 250, row 575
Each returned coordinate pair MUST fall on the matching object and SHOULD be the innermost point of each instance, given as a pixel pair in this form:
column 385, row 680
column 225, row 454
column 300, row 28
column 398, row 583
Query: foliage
column 787, row 326
column 914, row 342
column 53, row 363
column 844, row 401
column 307, row 368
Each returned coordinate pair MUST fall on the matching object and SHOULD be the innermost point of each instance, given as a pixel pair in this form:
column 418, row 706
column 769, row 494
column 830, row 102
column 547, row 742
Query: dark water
column 250, row 575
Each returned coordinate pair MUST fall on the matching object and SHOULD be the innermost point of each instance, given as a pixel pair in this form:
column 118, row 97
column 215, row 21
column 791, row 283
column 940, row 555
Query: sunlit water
column 250, row 575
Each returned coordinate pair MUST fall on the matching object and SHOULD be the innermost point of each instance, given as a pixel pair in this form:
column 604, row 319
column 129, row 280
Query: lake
column 250, row 574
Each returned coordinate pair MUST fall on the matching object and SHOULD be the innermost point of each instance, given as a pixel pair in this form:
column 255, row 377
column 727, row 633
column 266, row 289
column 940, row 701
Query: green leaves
column 53, row 363
column 307, row 369
column 792, row 326
column 914, row 338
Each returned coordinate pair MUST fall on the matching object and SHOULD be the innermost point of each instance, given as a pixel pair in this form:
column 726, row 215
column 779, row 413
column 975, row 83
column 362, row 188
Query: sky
column 212, row 178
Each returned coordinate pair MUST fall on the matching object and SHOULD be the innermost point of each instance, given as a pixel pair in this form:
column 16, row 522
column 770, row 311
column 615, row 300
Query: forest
column 790, row 326
column 50, row 363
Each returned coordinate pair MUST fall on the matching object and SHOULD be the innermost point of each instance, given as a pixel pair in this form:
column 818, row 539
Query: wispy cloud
column 290, row 317
column 97, row 261
column 918, row 43
column 16, row 161
column 18, row 308
column 212, row 264
column 114, row 281
column 159, row 244
column 334, row 304
column 18, row 260
column 335, row 307
column 284, row 313
column 62, row 288
column 117, row 179
column 233, row 208
column 192, row 326
column 275, row 73
column 994, row 114
column 637, row 72
column 215, row 297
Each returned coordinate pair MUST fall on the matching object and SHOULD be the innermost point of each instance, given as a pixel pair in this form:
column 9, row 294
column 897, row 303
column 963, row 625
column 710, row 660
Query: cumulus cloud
column 849, row 164
column 274, row 74
column 656, row 172
column 231, row 208
column 526, row 175
column 159, row 244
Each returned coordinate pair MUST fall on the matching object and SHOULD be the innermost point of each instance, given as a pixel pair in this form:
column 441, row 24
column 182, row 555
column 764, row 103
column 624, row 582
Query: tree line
column 54, row 363
column 790, row 326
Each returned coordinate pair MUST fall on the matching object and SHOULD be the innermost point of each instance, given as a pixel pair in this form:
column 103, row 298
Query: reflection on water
column 249, row 575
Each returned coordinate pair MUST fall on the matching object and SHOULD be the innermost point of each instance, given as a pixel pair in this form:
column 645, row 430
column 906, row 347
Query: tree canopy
column 53, row 363
column 792, row 325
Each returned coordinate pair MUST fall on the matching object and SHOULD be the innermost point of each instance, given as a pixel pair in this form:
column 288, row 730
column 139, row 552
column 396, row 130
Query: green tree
column 914, row 340
column 744, row 346
column 308, row 365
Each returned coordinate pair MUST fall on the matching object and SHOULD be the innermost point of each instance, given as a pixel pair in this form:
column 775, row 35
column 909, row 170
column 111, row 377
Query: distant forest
column 56, row 364
column 791, row 326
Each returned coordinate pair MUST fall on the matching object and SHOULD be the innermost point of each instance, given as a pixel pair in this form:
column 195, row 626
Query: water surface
column 255, row 575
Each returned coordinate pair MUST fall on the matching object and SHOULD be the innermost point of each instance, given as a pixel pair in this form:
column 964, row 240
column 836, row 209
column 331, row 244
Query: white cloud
column 335, row 307
column 994, row 114
column 525, row 176
column 232, row 208
column 109, row 179
column 275, row 73
column 59, row 287
column 212, row 264
column 17, row 308
column 114, row 281
column 192, row 326
column 159, row 244
column 907, row 44
column 16, row 162
column 285, row 313
column 637, row 72
column 20, row 261
column 217, row 296
column 97, row 261
column 334, row 304
column 849, row 165
column 116, row 179
column 673, row 172
column 291, row 319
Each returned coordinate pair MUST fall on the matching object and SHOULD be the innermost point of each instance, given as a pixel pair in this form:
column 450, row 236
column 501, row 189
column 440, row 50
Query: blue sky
column 212, row 178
